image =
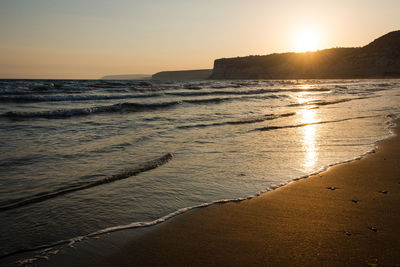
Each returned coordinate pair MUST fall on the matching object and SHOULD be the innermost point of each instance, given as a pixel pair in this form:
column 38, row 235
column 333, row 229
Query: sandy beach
column 348, row 215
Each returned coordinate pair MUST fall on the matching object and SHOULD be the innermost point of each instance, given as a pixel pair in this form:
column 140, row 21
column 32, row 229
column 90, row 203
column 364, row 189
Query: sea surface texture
column 77, row 157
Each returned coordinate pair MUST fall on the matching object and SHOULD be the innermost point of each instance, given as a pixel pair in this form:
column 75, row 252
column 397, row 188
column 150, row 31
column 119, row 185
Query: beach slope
column 346, row 216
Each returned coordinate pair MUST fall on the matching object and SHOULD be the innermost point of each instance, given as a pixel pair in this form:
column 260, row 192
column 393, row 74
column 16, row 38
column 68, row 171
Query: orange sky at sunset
column 89, row 39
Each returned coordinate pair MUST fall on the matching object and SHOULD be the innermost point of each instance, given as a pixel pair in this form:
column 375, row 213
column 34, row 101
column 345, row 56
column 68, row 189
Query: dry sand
column 346, row 216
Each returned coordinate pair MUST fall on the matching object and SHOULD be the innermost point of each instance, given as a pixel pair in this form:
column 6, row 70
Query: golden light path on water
column 309, row 131
column 309, row 140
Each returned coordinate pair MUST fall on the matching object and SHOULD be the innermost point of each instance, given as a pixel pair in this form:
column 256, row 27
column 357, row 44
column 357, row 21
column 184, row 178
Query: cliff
column 379, row 59
column 183, row 75
column 127, row 77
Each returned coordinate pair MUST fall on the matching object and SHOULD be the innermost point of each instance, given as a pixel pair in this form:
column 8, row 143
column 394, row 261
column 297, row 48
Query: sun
column 306, row 40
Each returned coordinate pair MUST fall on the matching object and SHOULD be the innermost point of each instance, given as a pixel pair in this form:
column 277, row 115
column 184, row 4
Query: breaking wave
column 121, row 107
column 203, row 93
column 325, row 103
column 270, row 128
column 31, row 98
column 65, row 190
column 239, row 122
column 61, row 113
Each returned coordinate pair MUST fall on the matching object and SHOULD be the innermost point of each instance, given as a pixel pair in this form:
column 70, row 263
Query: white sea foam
column 59, row 98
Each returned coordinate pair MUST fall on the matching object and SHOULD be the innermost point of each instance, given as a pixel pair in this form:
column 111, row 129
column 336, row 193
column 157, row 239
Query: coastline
column 346, row 215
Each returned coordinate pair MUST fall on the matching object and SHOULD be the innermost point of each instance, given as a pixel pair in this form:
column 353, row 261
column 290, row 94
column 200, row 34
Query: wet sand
column 346, row 216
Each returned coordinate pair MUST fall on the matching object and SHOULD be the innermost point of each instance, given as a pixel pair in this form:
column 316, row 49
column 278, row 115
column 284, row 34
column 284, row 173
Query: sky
column 87, row 39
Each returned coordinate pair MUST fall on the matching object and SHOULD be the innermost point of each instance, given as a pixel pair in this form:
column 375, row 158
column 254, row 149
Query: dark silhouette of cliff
column 379, row 59
column 127, row 77
column 183, row 75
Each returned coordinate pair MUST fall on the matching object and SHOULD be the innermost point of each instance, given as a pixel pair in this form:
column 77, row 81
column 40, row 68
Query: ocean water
column 82, row 156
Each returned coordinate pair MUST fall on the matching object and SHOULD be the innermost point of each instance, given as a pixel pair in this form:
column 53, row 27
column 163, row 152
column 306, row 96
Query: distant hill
column 127, row 77
column 379, row 59
column 183, row 75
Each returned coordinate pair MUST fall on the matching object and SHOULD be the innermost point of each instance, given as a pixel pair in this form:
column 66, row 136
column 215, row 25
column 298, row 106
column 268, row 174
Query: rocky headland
column 183, row 75
column 379, row 59
column 127, row 77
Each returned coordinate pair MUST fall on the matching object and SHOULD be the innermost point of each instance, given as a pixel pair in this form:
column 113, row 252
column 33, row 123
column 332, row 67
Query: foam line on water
column 270, row 128
column 325, row 103
column 65, row 113
column 121, row 107
column 225, row 92
column 123, row 175
column 61, row 113
column 59, row 98
column 240, row 122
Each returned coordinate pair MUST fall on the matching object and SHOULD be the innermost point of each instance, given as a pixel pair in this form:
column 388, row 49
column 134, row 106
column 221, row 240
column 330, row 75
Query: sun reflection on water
column 309, row 137
column 309, row 146
column 305, row 87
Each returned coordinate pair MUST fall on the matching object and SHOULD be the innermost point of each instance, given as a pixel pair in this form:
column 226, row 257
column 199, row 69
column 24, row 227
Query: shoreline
column 77, row 247
column 192, row 237
column 140, row 228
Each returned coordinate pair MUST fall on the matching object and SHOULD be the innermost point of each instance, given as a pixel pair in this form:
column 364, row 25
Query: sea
column 80, row 158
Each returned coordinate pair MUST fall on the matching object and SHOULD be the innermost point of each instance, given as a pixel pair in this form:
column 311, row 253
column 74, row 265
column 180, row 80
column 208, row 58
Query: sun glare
column 306, row 40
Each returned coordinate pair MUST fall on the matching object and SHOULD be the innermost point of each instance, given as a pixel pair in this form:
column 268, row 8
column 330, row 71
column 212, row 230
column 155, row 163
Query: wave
column 248, row 92
column 121, row 107
column 135, row 107
column 30, row 92
column 207, row 101
column 30, row 98
column 270, row 128
column 65, row 113
column 61, row 113
column 296, row 90
column 65, row 190
column 325, row 103
column 225, row 92
column 192, row 87
column 337, row 101
column 143, row 107
column 110, row 84
column 240, row 122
